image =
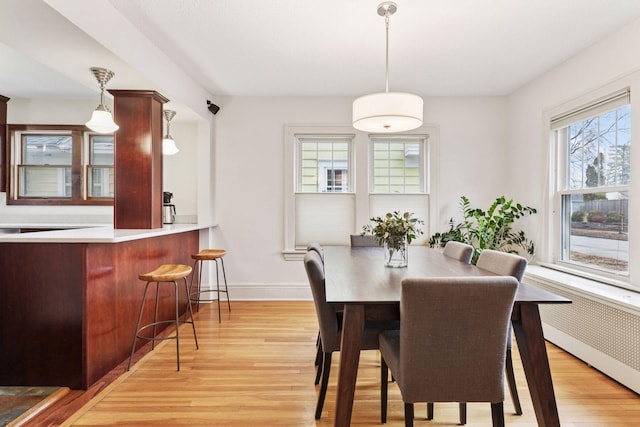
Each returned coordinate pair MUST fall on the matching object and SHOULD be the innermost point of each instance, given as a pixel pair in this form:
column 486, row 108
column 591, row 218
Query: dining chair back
column 502, row 263
column 329, row 317
column 458, row 250
column 506, row 264
column 427, row 364
column 315, row 246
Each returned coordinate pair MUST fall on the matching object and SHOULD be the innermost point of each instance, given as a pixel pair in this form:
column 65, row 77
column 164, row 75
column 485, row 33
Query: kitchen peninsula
column 71, row 298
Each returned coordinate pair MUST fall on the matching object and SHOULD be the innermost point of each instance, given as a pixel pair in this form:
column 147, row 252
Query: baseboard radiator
column 602, row 334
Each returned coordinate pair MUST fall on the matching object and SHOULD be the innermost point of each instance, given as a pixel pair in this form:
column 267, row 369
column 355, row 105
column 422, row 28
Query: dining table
column 357, row 278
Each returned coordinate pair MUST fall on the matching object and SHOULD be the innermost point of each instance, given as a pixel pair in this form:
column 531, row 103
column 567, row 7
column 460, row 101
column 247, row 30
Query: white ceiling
column 294, row 47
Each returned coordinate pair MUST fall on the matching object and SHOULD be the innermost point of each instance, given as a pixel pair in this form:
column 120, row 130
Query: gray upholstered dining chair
column 363, row 240
column 427, row 364
column 460, row 251
column 315, row 246
column 330, row 327
column 504, row 264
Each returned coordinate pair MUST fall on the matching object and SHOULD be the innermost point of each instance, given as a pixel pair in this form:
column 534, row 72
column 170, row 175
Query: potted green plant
column 395, row 232
column 490, row 229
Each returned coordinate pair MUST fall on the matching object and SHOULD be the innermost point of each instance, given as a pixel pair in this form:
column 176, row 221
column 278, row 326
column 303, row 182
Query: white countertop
column 75, row 233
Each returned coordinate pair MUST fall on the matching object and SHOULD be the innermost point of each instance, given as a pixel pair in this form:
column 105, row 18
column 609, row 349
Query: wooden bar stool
column 167, row 273
column 209, row 255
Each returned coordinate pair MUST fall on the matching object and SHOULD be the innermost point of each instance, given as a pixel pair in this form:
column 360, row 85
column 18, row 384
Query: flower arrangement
column 393, row 228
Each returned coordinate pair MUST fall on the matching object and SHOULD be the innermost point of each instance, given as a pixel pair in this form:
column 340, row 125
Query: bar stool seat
column 167, row 273
column 209, row 255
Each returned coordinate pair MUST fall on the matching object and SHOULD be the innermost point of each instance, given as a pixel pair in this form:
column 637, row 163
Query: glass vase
column 396, row 252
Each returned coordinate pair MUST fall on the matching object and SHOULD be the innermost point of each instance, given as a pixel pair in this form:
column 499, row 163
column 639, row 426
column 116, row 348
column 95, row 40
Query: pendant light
column 387, row 112
column 101, row 119
column 168, row 144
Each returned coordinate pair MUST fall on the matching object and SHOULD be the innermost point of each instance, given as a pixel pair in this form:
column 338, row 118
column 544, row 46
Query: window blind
column 608, row 103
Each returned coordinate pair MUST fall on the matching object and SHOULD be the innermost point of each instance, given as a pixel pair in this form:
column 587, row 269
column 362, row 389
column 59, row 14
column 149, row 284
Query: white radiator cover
column 602, row 333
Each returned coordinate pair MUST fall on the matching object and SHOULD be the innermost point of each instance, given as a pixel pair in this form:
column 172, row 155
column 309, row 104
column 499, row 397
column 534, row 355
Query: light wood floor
column 256, row 369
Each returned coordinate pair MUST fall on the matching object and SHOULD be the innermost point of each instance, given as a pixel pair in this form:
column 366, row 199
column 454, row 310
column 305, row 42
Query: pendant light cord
column 386, row 23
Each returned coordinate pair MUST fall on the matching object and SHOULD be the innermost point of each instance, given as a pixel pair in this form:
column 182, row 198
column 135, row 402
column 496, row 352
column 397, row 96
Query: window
column 45, row 169
column 324, row 203
column 337, row 179
column 59, row 165
column 594, row 178
column 324, row 163
column 397, row 165
column 100, row 167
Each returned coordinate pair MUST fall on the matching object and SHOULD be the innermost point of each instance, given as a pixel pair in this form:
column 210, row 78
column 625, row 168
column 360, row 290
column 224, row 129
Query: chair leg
column 429, row 410
column 511, row 380
column 218, row 291
column 326, row 369
column 319, row 361
column 135, row 334
column 497, row 414
column 384, row 388
column 176, row 296
column 226, row 288
column 189, row 310
column 408, row 414
column 462, row 407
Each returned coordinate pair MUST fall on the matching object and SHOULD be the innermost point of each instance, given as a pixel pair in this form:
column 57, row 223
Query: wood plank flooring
column 256, row 369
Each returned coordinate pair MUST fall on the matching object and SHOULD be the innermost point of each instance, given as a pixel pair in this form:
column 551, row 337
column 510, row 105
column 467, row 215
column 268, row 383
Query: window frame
column 558, row 188
column 325, row 138
column 79, row 191
column 422, row 164
column 362, row 198
column 89, row 165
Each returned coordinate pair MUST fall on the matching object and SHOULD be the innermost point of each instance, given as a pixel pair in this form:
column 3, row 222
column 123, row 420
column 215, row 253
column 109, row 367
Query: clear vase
column 396, row 252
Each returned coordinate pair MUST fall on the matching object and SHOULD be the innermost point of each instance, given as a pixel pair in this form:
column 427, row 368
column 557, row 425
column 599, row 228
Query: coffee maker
column 168, row 209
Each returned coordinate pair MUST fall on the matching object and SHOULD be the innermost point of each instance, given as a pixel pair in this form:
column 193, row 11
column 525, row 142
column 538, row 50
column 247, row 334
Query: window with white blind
column 337, row 178
column 593, row 147
column 324, row 203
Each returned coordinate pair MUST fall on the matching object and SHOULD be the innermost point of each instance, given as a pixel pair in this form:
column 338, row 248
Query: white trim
column 269, row 292
column 622, row 298
column 549, row 248
column 601, row 361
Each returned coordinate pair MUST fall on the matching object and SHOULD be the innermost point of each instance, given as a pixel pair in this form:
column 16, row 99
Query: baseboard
column 269, row 292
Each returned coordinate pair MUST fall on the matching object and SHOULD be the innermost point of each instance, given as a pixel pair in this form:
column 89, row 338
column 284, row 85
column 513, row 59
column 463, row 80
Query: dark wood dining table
column 358, row 278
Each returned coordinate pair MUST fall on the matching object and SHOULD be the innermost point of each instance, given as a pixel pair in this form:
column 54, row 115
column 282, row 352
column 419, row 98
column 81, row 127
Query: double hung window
column 46, row 163
column 397, row 165
column 594, row 177
column 60, row 165
column 336, row 180
column 324, row 202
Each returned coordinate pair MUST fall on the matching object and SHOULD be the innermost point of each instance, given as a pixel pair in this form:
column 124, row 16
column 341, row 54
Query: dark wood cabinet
column 138, row 159
column 69, row 310
column 4, row 168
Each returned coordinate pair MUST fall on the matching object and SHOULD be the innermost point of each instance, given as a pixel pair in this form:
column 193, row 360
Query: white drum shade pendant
column 387, row 112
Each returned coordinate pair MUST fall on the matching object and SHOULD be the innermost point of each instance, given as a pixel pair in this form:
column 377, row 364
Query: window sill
column 625, row 298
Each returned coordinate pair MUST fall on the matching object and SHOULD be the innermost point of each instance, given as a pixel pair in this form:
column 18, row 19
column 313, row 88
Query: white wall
column 599, row 69
column 180, row 171
column 249, row 164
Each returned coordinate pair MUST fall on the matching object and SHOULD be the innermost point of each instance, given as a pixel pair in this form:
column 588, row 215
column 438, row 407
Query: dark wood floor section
column 256, row 368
